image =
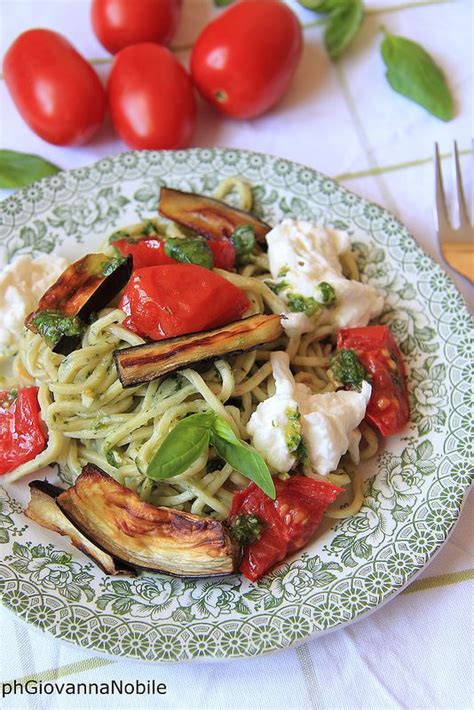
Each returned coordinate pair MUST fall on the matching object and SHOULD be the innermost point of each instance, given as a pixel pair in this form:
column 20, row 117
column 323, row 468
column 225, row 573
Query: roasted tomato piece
column 223, row 252
column 148, row 251
column 388, row 410
column 164, row 301
column 22, row 433
column 289, row 521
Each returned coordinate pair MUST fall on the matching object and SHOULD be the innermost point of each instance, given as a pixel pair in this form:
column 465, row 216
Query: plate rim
column 434, row 265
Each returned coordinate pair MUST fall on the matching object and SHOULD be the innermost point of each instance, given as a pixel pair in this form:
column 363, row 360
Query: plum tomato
column 244, row 60
column 56, row 91
column 121, row 23
column 151, row 98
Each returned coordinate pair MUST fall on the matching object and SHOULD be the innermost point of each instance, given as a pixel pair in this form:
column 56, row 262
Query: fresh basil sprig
column 343, row 22
column 21, row 169
column 183, row 445
column 412, row 72
column 190, row 437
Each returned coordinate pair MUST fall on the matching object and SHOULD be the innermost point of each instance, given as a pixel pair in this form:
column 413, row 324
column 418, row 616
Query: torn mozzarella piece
column 268, row 425
column 329, row 421
column 22, row 283
column 301, row 256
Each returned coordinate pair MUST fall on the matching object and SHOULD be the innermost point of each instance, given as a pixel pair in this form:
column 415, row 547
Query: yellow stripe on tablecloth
column 440, row 580
column 371, row 172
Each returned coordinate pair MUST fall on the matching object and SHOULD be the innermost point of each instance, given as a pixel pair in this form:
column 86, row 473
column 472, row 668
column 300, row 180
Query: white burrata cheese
column 329, row 421
column 22, row 283
column 302, row 255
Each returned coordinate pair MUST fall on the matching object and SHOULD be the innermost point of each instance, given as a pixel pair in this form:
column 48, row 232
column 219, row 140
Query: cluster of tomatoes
column 242, row 63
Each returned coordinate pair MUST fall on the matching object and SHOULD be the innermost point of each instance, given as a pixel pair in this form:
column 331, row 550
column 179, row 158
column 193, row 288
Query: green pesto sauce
column 293, row 430
column 325, row 293
column 53, row 325
column 243, row 239
column 277, row 286
column 246, row 529
column 302, row 304
column 193, row 250
column 348, row 369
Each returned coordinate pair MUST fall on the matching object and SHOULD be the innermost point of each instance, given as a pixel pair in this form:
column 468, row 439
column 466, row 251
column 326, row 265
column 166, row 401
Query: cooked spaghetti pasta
column 91, row 418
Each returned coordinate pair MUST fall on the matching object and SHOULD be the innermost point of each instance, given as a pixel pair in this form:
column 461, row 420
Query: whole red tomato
column 56, row 91
column 120, row 23
column 151, row 98
column 244, row 60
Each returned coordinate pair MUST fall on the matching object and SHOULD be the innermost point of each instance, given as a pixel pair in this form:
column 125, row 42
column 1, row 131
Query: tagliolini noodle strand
column 92, row 419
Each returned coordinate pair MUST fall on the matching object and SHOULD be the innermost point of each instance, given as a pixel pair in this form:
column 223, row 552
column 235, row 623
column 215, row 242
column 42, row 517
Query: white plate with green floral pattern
column 414, row 491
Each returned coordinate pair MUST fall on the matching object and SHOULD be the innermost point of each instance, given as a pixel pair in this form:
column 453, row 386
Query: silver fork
column 456, row 244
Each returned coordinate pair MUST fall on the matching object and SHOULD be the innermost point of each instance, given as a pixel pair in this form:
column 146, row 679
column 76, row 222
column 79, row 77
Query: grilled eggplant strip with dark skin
column 207, row 216
column 146, row 536
column 83, row 288
column 143, row 363
column 44, row 510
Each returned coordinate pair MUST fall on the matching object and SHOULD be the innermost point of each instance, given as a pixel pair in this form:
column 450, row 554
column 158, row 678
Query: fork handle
column 461, row 257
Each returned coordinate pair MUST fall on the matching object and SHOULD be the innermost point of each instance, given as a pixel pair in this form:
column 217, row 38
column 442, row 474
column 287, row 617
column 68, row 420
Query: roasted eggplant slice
column 43, row 509
column 209, row 217
column 86, row 286
column 144, row 535
column 143, row 363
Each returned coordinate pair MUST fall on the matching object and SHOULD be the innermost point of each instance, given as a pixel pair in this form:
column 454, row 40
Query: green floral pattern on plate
column 414, row 491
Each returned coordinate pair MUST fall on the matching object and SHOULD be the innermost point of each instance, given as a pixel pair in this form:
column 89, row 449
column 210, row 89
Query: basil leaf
column 241, row 456
column 222, row 3
column 223, row 430
column 343, row 24
column 194, row 250
column 183, row 445
column 412, row 72
column 21, row 169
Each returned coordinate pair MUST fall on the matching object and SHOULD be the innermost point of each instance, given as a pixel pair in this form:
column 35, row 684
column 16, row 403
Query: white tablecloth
column 344, row 120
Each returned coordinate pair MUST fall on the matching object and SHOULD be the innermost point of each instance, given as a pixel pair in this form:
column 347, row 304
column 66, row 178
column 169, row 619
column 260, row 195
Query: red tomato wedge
column 22, row 433
column 388, row 409
column 150, row 251
column 223, row 252
column 290, row 520
column 164, row 301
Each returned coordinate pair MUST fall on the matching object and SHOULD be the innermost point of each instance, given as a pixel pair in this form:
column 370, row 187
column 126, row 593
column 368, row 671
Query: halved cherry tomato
column 388, row 409
column 151, row 98
column 223, row 252
column 147, row 251
column 22, row 433
column 243, row 61
column 56, row 91
column 120, row 23
column 164, row 301
column 290, row 520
